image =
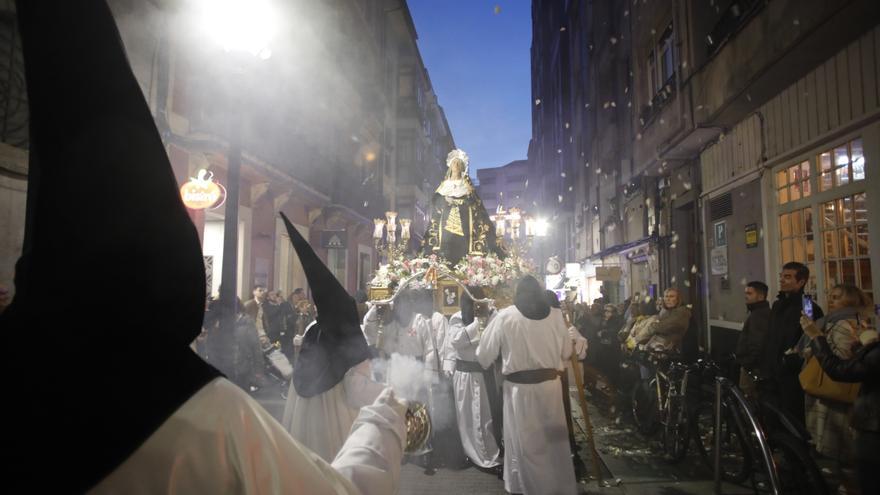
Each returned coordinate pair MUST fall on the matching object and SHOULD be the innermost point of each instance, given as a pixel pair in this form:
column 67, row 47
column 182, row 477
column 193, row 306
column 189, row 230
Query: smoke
column 410, row 380
column 310, row 107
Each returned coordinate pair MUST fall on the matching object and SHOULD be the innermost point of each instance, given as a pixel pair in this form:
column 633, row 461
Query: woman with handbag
column 847, row 353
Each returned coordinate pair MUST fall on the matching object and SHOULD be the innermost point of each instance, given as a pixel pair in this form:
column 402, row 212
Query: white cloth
column 322, row 422
column 537, row 457
column 439, row 329
column 454, row 188
column 407, row 340
column 223, row 441
column 474, row 415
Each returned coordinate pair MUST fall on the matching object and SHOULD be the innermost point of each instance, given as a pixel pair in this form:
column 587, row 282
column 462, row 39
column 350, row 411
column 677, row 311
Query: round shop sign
column 553, row 266
column 201, row 192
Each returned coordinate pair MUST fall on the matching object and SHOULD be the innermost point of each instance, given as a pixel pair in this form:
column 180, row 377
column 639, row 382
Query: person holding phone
column 781, row 363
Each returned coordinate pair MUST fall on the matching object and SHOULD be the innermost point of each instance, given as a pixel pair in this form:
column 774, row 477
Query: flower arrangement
column 491, row 271
column 399, row 269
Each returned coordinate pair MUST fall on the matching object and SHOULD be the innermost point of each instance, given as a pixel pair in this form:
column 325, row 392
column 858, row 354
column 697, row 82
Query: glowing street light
column 239, row 27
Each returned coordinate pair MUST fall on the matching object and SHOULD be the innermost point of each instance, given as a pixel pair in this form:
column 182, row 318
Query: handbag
column 816, row 382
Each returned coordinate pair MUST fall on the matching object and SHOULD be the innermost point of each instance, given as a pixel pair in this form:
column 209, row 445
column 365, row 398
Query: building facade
column 337, row 127
column 719, row 140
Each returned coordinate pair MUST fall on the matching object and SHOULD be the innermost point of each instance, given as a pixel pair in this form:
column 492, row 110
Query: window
column 841, row 165
column 405, row 82
column 845, row 242
column 336, row 263
column 796, row 241
column 793, row 183
column 661, row 62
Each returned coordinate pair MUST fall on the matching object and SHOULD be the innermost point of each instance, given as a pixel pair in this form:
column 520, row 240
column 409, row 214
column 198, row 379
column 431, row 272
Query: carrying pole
column 582, row 398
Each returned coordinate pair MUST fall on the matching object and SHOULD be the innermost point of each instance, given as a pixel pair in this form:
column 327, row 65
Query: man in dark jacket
column 754, row 332
column 780, row 362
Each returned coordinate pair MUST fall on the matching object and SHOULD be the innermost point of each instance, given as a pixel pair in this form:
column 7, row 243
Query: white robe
column 409, row 378
column 475, row 422
column 537, row 455
column 322, row 422
column 223, row 441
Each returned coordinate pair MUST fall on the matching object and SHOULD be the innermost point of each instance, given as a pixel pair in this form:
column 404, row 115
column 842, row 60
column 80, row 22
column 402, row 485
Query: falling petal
column 566, row 125
column 673, row 279
column 366, row 203
column 694, row 269
column 613, row 104
column 497, row 9
column 796, row 22
column 672, row 246
column 743, row 281
column 647, row 299
column 639, row 136
column 662, row 122
column 562, row 175
column 527, row 183
column 606, row 105
column 687, row 283
column 560, row 198
column 570, row 188
column 613, row 40
column 598, row 171
column 687, row 186
column 537, row 102
column 587, row 164
column 625, row 13
column 559, row 150
column 562, row 29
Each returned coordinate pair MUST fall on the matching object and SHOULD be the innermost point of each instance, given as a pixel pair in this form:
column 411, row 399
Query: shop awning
column 623, row 247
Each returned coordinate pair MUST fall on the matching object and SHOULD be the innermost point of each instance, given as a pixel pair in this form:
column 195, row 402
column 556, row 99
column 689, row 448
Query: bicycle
column 755, row 432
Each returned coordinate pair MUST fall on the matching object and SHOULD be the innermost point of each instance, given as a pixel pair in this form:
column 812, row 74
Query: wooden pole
column 582, row 398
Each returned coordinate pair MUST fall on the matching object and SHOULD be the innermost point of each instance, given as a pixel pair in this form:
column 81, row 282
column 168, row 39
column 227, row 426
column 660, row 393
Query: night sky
column 478, row 61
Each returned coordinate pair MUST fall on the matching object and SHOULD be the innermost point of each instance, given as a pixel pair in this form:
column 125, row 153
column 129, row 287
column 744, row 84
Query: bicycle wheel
column 644, row 407
column 736, row 457
column 675, row 431
column 798, row 472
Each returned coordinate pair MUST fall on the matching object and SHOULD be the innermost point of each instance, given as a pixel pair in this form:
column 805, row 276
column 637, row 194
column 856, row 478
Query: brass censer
column 418, row 428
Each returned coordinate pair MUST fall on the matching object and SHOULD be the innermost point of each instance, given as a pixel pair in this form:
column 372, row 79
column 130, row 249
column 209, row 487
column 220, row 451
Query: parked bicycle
column 759, row 442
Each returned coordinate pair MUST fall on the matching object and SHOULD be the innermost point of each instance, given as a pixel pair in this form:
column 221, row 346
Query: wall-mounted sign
column 718, row 258
column 553, row 266
column 720, row 234
column 608, row 273
column 201, row 192
column 751, row 235
column 334, row 239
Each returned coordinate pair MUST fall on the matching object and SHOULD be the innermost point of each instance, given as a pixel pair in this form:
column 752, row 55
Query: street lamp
column 243, row 29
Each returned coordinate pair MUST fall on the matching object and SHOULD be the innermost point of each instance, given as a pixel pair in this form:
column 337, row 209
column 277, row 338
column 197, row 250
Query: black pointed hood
column 530, row 299
column 335, row 342
column 110, row 287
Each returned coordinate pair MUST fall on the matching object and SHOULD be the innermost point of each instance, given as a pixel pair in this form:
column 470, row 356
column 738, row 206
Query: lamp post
column 243, row 29
column 385, row 235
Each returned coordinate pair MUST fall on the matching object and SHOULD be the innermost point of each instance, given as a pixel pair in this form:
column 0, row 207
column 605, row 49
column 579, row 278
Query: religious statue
column 459, row 224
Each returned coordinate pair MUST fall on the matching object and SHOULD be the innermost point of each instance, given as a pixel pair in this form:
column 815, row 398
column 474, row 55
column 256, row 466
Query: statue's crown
column 457, row 153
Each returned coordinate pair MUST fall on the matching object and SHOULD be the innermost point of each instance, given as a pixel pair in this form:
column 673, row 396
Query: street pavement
column 630, row 463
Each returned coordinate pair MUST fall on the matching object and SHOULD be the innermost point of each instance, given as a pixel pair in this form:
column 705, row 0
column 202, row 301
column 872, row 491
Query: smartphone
column 808, row 306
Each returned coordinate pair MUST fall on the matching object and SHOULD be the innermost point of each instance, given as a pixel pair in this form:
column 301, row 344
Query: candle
column 379, row 227
column 404, row 228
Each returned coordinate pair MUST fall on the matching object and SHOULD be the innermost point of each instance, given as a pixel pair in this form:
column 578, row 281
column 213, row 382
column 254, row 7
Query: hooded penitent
column 335, row 342
column 467, row 304
column 93, row 375
column 530, row 299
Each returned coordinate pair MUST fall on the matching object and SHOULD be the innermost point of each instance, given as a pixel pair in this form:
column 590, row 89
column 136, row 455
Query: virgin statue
column 459, row 224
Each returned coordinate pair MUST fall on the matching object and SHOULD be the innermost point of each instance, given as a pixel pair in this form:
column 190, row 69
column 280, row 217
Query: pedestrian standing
column 754, row 333
column 781, row 362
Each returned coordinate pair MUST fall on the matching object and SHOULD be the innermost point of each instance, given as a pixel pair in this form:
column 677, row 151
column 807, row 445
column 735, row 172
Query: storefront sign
column 718, row 258
column 751, row 235
column 608, row 273
column 201, row 192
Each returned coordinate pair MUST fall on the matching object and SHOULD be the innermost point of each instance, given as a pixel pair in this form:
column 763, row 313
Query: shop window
column 845, row 242
column 793, row 183
column 841, row 165
column 796, row 240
